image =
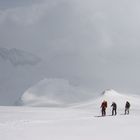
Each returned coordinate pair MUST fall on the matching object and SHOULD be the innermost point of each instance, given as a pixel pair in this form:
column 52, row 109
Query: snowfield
column 77, row 122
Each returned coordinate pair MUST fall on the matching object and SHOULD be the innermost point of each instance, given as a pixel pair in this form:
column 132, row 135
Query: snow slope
column 110, row 96
column 59, row 92
column 77, row 122
column 25, row 123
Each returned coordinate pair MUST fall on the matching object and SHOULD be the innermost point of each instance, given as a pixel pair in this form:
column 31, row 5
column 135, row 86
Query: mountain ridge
column 19, row 57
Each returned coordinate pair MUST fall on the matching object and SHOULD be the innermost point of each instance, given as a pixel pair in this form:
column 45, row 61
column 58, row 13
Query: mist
column 94, row 44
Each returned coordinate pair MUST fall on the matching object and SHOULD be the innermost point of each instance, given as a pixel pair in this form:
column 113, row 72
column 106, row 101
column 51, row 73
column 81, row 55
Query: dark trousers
column 126, row 111
column 103, row 111
column 114, row 111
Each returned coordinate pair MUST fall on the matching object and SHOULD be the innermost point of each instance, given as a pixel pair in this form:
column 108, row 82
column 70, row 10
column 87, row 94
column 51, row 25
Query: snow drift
column 53, row 92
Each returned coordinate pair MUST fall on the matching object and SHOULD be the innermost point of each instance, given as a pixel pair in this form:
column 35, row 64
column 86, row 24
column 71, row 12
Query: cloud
column 53, row 92
column 90, row 43
column 25, row 15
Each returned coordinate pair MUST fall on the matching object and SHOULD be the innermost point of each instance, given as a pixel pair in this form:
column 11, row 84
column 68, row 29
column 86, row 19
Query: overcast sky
column 92, row 43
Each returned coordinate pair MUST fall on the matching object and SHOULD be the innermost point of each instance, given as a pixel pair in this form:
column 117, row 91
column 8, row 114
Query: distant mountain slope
column 18, row 57
column 59, row 92
column 18, row 71
column 110, row 96
column 53, row 92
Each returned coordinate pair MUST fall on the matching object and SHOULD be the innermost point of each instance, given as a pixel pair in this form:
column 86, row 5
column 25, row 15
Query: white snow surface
column 77, row 122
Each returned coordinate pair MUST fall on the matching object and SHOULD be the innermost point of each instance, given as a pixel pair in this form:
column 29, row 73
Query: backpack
column 127, row 104
column 105, row 103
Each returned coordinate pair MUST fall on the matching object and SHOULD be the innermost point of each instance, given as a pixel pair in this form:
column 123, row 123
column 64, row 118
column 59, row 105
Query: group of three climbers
column 114, row 108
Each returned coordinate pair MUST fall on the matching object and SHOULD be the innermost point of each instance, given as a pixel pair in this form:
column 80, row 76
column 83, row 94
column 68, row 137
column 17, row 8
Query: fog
column 94, row 44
